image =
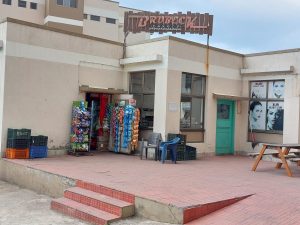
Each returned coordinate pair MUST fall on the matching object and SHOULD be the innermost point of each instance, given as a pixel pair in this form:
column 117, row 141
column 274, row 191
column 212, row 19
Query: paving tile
column 276, row 198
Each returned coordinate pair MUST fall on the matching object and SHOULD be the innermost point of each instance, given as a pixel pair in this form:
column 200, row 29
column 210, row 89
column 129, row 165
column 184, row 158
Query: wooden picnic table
column 282, row 150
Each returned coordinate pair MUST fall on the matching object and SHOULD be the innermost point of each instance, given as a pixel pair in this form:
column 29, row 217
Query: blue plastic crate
column 39, row 140
column 38, row 152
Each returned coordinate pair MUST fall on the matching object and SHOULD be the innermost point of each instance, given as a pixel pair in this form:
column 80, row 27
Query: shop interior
column 113, row 119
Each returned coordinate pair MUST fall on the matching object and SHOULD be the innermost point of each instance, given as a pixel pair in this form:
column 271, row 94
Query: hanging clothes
column 135, row 129
column 102, row 112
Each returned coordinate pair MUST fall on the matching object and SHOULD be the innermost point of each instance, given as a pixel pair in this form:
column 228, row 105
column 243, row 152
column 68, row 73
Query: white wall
column 26, row 14
column 3, row 27
column 104, row 9
column 273, row 61
column 43, row 72
column 109, row 9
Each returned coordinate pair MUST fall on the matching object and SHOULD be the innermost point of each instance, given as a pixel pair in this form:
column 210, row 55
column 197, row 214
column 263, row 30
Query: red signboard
column 176, row 23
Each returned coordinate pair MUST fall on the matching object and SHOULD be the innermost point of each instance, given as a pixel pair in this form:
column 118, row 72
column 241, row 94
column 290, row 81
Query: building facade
column 223, row 101
column 97, row 18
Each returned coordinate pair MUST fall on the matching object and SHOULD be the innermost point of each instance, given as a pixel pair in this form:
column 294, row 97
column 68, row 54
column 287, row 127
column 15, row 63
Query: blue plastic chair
column 172, row 146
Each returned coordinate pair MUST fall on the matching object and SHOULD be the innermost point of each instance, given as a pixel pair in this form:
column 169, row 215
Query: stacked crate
column 190, row 153
column 38, row 146
column 180, row 147
column 184, row 152
column 18, row 143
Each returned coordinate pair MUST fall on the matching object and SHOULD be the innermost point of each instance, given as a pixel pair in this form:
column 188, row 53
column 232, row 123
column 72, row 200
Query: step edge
column 111, row 189
column 122, row 211
column 113, row 216
column 125, row 204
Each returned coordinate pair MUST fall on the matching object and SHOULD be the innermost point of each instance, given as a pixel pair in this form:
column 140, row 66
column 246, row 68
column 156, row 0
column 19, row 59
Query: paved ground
column 276, row 198
column 23, row 207
column 183, row 184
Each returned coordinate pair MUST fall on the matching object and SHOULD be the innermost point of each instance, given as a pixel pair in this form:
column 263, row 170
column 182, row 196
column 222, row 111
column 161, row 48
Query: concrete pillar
column 160, row 101
column 173, row 102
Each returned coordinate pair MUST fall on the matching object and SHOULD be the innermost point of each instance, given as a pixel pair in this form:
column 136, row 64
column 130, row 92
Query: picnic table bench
column 296, row 160
column 282, row 152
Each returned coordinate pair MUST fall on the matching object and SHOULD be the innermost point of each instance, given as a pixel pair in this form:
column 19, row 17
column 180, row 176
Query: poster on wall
column 185, row 114
column 276, row 89
column 258, row 89
column 275, row 113
column 257, row 115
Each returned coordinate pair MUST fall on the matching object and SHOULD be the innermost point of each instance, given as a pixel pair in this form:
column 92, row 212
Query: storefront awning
column 230, row 97
column 86, row 88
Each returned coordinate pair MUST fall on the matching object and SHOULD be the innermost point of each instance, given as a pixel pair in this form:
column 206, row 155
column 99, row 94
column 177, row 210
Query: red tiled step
column 106, row 191
column 83, row 212
column 99, row 201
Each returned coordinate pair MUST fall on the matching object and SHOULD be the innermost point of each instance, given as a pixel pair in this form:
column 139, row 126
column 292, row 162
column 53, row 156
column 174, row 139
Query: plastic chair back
column 154, row 138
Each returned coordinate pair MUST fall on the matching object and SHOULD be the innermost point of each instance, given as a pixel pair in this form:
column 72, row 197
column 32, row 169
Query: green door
column 225, row 127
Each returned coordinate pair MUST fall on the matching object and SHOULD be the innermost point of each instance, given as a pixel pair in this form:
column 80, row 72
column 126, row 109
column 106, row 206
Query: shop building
column 180, row 86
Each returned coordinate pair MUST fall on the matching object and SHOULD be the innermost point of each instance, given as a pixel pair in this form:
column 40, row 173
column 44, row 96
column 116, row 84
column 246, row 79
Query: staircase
column 95, row 203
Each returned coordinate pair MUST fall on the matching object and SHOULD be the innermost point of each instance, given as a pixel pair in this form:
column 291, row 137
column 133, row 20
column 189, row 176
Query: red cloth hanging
column 103, row 104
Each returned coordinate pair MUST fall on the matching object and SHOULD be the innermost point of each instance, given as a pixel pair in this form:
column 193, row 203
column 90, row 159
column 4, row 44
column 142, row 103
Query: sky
column 243, row 26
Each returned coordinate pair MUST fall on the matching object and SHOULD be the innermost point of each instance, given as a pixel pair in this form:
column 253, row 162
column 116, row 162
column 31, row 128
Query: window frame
column 191, row 96
column 68, row 3
column 22, row 4
column 7, row 2
column 110, row 20
column 93, row 18
column 266, row 101
column 143, row 93
column 33, row 4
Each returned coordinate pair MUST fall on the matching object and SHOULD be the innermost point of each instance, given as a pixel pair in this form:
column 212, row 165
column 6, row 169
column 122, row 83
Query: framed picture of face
column 276, row 89
column 257, row 115
column 258, row 89
column 275, row 115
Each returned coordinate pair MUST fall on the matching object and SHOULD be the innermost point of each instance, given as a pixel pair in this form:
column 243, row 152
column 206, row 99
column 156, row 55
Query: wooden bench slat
column 266, row 153
column 290, row 156
column 295, row 159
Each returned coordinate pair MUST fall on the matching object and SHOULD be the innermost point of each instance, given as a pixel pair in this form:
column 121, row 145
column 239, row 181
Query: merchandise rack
column 80, row 129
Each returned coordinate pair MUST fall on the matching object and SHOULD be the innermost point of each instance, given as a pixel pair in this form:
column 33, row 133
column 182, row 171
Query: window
column 33, row 5
column 95, row 18
column 192, row 101
column 22, row 4
column 266, row 106
column 6, row 2
column 142, row 86
column 110, row 20
column 67, row 3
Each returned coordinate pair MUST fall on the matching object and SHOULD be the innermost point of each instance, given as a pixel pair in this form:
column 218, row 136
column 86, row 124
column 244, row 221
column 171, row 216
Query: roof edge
column 29, row 24
column 203, row 45
column 273, row 52
column 172, row 38
column 124, row 7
